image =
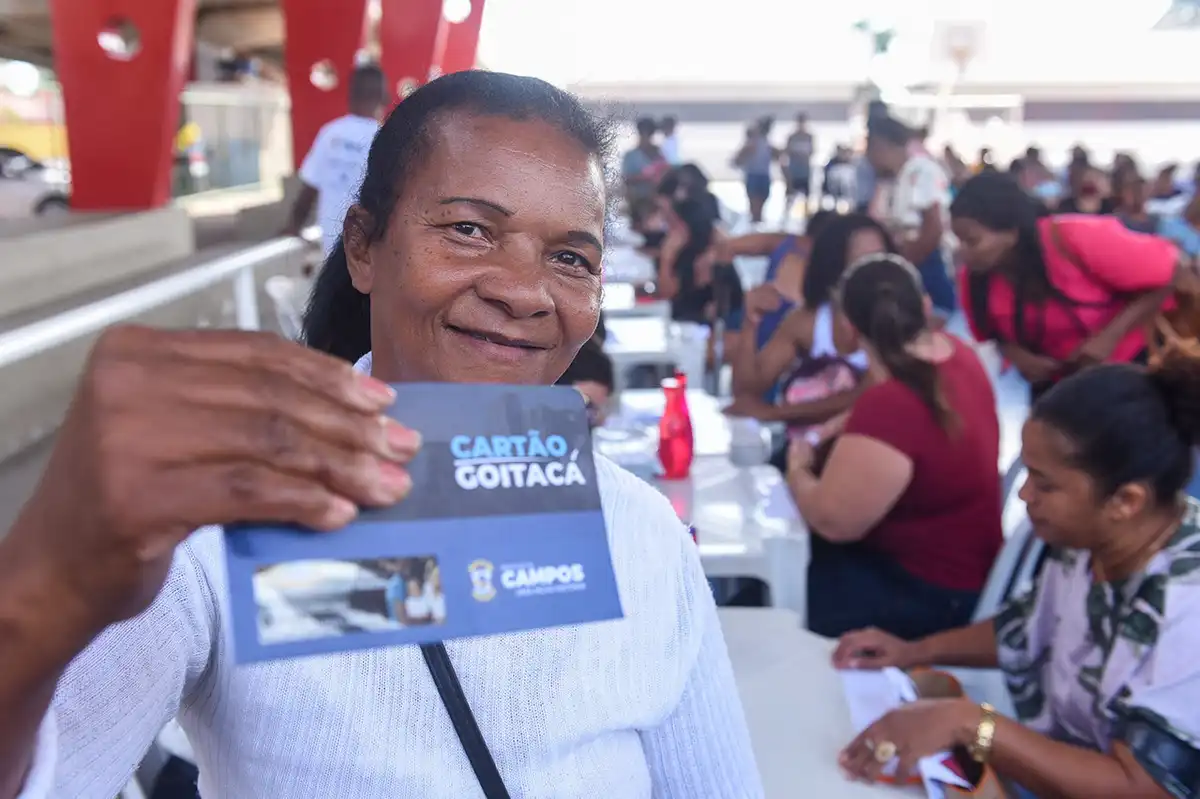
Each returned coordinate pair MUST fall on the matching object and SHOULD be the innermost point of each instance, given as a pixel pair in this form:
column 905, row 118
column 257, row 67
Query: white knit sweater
column 645, row 706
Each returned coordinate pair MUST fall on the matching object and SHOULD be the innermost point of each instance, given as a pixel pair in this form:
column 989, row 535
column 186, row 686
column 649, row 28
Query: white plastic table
column 794, row 705
column 738, row 532
column 634, row 341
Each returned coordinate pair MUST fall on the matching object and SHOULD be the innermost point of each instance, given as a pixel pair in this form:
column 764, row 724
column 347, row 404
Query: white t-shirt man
column 335, row 167
column 670, row 148
column 920, row 185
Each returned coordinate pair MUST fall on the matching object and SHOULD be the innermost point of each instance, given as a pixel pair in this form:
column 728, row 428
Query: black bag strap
column 437, row 659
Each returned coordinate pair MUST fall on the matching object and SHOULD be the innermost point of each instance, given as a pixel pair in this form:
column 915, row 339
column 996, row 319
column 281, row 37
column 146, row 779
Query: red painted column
column 412, row 39
column 121, row 103
column 462, row 43
column 322, row 38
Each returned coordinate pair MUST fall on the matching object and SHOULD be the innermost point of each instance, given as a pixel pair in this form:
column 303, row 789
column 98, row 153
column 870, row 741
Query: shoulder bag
column 437, row 659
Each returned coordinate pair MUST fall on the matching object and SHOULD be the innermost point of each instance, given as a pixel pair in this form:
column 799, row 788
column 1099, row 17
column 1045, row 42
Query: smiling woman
column 473, row 254
column 475, row 245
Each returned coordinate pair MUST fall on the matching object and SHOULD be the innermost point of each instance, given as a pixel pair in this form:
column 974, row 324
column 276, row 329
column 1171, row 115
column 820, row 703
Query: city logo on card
column 529, row 579
column 482, row 588
column 515, row 461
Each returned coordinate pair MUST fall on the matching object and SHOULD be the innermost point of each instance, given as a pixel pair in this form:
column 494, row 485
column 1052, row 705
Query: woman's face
column 1063, row 502
column 490, row 267
column 982, row 248
column 1133, row 194
column 864, row 242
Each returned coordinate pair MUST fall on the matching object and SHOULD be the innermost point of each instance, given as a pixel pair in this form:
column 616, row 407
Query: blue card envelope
column 501, row 532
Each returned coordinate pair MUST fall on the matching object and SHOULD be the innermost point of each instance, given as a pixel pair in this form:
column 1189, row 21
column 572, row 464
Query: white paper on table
column 870, row 695
column 779, row 504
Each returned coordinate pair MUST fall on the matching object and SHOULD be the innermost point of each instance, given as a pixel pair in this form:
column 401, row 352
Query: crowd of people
column 893, row 434
column 472, row 252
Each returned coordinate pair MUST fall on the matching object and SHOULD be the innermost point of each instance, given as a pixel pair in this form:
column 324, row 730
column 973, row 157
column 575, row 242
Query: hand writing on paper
column 909, row 733
column 874, row 649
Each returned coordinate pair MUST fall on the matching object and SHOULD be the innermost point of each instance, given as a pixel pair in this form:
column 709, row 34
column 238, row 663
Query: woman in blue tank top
column 815, row 382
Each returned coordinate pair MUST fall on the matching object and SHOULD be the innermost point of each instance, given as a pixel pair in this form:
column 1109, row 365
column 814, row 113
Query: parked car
column 31, row 188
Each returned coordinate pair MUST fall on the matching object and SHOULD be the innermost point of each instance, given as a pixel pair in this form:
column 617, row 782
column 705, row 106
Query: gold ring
column 884, row 752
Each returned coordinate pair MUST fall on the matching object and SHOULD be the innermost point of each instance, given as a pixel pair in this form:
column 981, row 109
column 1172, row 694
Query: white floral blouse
column 1081, row 657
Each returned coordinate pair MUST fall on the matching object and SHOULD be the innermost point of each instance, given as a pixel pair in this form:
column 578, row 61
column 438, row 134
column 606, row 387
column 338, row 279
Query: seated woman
column 1100, row 657
column 815, row 380
column 701, row 286
column 787, row 257
column 905, row 516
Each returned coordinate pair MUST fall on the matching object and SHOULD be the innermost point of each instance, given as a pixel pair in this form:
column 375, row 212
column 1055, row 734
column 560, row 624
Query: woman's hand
column 171, row 431
column 751, row 407
column 874, row 649
column 1096, row 350
column 1034, row 368
column 800, row 456
column 832, row 427
column 762, row 300
column 910, row 732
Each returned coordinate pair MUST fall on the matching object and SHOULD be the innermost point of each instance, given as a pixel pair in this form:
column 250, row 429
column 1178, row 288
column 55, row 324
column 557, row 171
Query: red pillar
column 322, row 38
column 462, row 43
column 121, row 104
column 412, row 39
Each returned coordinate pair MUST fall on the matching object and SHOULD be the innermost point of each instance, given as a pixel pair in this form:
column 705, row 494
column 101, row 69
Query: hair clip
column 889, row 257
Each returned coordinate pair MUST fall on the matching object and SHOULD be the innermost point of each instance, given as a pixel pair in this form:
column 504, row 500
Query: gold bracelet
column 981, row 748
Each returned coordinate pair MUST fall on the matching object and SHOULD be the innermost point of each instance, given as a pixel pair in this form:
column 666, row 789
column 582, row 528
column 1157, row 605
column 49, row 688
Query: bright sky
column 568, row 41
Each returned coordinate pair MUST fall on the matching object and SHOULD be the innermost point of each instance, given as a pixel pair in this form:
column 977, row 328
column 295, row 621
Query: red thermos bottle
column 675, row 443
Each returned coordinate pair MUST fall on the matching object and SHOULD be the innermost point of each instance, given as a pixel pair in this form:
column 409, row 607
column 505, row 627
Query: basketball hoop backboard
column 957, row 42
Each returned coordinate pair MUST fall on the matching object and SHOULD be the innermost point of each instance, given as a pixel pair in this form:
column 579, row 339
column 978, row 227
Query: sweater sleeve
column 116, row 695
column 702, row 747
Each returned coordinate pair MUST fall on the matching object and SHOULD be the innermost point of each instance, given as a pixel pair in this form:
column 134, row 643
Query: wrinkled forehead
column 529, row 166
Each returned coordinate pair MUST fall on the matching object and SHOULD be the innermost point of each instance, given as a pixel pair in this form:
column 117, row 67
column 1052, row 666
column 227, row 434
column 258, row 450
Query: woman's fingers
column 234, row 491
column 322, row 374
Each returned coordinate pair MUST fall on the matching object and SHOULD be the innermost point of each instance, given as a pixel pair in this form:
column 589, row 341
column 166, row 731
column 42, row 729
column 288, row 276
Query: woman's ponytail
column 338, row 320
column 891, row 331
column 881, row 296
column 1176, row 375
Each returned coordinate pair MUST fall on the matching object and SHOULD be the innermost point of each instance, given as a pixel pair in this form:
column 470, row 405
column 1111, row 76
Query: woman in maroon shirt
column 905, row 517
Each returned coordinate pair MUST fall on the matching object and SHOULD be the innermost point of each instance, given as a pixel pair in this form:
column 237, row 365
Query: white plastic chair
column 1014, row 568
column 1012, row 572
column 283, row 291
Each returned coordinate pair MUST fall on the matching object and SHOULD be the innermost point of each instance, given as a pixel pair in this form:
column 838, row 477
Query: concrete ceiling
column 248, row 26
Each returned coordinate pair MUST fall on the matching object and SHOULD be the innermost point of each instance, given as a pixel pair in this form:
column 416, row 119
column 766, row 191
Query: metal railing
column 45, row 334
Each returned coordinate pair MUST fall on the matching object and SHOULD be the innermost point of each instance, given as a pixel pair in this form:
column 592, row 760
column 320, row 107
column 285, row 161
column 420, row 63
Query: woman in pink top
column 1056, row 293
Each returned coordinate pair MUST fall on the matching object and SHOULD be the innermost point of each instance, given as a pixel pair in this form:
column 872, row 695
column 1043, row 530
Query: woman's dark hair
column 818, row 222
column 1129, row 424
column 883, row 298
column 998, row 202
column 692, row 175
column 830, row 248
column 697, row 216
column 338, row 320
column 591, row 364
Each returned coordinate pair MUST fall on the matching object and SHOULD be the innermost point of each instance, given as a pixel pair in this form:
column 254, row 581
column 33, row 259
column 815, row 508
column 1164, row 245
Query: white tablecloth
column 795, row 706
